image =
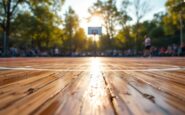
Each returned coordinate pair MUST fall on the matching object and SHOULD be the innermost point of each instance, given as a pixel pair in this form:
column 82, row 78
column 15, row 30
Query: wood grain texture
column 92, row 86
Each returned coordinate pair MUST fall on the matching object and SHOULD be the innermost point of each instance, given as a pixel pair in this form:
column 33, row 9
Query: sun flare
column 95, row 66
column 95, row 21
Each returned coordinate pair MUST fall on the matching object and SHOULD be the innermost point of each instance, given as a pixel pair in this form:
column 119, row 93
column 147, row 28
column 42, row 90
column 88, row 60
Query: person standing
column 147, row 51
column 56, row 51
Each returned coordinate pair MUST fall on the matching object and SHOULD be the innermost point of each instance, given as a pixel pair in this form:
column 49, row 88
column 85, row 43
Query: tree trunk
column 7, row 28
column 137, row 36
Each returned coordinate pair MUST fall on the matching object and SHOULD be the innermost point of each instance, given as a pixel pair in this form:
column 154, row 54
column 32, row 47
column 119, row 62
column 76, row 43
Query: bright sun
column 95, row 21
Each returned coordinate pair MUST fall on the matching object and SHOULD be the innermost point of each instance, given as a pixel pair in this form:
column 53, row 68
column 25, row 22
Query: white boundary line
column 118, row 70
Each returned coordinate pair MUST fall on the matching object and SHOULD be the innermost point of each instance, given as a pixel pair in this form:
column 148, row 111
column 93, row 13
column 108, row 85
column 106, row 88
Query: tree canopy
column 38, row 24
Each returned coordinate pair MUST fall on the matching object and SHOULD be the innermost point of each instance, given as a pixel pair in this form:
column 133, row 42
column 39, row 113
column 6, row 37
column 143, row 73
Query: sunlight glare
column 95, row 83
column 95, row 21
column 95, row 66
column 96, row 38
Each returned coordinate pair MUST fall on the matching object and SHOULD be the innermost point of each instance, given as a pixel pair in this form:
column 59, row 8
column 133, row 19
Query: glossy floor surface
column 92, row 86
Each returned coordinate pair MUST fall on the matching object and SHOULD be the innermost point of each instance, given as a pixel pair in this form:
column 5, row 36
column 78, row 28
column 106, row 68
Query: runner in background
column 147, row 51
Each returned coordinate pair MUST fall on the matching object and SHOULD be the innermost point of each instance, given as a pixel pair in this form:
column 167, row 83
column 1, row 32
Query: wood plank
column 169, row 87
column 131, row 98
column 34, row 99
column 24, row 88
column 16, row 76
column 97, row 87
column 169, row 103
column 88, row 95
column 67, row 98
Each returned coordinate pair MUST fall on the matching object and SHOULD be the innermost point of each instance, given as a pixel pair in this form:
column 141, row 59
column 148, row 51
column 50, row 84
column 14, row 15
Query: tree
column 44, row 23
column 22, row 30
column 141, row 8
column 125, row 39
column 36, row 27
column 7, row 12
column 79, row 40
column 123, row 16
column 71, row 25
column 109, row 12
column 175, row 19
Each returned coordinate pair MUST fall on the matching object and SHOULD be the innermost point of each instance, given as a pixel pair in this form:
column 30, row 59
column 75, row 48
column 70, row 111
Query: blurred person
column 183, row 49
column 179, row 51
column 162, row 51
column 33, row 52
column 22, row 53
column 37, row 51
column 56, row 52
column 125, row 53
column 0, row 52
column 147, row 43
column 169, row 51
column 155, row 51
column 13, row 51
column 175, row 49
column 129, row 52
column 51, row 52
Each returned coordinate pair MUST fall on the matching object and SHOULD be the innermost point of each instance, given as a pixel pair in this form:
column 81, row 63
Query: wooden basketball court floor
column 92, row 86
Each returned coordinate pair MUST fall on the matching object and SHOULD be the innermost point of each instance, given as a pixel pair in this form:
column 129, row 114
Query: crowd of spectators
column 171, row 50
column 31, row 52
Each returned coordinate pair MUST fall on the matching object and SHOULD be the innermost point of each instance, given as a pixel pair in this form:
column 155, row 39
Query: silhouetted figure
column 147, row 43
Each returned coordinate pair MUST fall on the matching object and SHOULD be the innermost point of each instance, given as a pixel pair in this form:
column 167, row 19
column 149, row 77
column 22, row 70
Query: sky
column 81, row 9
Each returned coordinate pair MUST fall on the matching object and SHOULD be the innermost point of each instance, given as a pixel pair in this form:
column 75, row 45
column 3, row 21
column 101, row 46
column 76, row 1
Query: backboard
column 94, row 30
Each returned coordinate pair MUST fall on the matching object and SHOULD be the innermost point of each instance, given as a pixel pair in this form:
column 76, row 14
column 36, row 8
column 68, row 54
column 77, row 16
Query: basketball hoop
column 94, row 30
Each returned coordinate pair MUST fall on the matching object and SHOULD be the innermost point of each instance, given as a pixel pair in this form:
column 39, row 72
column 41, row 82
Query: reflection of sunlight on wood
column 95, row 66
column 95, row 80
column 95, row 93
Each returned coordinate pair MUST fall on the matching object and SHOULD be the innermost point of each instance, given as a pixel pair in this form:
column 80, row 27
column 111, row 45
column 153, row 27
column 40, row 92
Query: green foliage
column 40, row 26
column 79, row 40
column 125, row 38
column 175, row 9
column 36, row 27
column 109, row 12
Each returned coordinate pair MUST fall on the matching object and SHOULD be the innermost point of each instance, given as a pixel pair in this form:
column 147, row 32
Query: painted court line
column 114, row 70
